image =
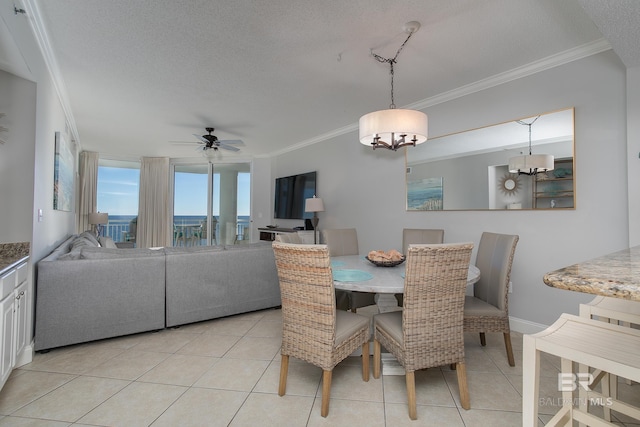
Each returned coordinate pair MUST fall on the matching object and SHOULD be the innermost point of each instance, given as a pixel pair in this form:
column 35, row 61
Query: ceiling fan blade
column 184, row 142
column 232, row 142
column 200, row 138
column 229, row 147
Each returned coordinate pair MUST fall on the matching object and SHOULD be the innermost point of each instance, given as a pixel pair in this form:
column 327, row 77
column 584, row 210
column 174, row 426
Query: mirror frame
column 551, row 134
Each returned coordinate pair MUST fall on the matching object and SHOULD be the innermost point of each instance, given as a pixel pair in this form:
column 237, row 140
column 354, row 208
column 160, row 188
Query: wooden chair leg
column 284, row 368
column 326, row 392
column 507, row 344
column 608, row 390
column 483, row 339
column 365, row 361
column 462, row 384
column 376, row 359
column 411, row 394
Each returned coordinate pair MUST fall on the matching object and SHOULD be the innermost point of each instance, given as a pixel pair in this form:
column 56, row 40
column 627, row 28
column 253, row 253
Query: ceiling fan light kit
column 394, row 128
column 211, row 142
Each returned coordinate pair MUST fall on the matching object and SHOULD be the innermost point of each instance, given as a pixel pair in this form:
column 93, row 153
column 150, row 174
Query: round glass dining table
column 356, row 273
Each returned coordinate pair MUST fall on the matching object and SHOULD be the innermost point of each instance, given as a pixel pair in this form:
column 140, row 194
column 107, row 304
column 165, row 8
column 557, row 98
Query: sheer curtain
column 88, row 187
column 153, row 209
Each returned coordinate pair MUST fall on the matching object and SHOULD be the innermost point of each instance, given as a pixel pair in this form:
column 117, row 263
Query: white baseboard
column 525, row 326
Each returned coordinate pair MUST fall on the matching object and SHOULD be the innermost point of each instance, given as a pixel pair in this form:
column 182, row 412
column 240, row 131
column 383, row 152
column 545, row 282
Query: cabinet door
column 21, row 309
column 6, row 337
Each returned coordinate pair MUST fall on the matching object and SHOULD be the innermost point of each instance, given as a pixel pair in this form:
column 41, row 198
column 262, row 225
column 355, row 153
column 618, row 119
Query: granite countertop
column 614, row 275
column 12, row 254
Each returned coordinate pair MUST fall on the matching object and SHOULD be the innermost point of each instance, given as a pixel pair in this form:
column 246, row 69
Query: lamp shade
column 383, row 123
column 531, row 163
column 313, row 205
column 98, row 218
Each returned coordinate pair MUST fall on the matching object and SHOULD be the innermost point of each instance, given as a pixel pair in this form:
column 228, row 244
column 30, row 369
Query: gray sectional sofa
column 87, row 292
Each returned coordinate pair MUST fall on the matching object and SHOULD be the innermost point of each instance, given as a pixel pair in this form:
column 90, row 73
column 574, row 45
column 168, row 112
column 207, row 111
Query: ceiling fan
column 211, row 142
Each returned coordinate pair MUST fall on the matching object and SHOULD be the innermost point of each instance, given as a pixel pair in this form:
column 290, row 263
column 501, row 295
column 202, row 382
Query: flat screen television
column 291, row 193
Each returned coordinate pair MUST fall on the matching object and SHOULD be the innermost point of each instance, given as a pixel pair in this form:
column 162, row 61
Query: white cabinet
column 21, row 307
column 14, row 316
column 7, row 354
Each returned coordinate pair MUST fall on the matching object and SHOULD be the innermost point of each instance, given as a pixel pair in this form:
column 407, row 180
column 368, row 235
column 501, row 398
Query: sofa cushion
column 192, row 249
column 127, row 253
column 244, row 246
column 75, row 254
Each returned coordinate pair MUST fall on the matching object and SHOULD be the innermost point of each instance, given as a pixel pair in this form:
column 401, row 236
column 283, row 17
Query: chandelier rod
column 392, row 61
column 528, row 124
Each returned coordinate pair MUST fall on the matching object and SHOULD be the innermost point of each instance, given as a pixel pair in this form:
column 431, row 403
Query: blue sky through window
column 118, row 190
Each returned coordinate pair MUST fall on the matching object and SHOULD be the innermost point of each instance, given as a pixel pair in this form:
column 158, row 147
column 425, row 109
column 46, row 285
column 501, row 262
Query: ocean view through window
column 211, row 204
column 208, row 208
column 117, row 194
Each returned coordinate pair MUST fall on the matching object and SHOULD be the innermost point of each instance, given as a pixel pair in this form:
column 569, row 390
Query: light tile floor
column 225, row 373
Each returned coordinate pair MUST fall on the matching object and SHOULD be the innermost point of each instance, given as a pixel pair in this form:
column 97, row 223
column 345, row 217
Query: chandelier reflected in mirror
column 530, row 164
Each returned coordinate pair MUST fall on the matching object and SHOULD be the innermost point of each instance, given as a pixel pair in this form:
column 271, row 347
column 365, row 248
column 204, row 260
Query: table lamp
column 314, row 205
column 97, row 219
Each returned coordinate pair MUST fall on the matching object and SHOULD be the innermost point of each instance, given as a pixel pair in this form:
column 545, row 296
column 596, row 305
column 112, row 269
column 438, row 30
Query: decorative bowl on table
column 385, row 259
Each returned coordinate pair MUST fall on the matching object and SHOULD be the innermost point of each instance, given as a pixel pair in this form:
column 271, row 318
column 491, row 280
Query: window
column 118, row 190
column 211, row 204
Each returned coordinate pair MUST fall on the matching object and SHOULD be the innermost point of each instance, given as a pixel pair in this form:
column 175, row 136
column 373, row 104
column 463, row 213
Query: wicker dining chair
column 488, row 309
column 312, row 329
column 428, row 332
column 419, row 236
column 344, row 241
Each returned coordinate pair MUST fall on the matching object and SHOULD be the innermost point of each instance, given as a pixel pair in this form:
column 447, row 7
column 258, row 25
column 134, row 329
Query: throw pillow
column 107, row 242
column 82, row 242
column 89, row 235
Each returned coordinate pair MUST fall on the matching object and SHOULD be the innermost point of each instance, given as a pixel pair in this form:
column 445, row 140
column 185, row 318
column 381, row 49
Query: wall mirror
column 469, row 170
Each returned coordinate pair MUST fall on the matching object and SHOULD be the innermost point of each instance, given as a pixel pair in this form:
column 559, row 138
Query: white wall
column 27, row 170
column 633, row 143
column 366, row 189
column 18, row 102
column 50, row 118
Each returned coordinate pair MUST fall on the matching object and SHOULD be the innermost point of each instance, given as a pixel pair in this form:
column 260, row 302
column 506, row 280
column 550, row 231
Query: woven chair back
column 494, row 259
column 308, row 302
column 433, row 313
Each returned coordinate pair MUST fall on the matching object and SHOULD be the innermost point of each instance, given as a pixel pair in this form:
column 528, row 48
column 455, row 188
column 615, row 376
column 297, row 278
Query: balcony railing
column 117, row 229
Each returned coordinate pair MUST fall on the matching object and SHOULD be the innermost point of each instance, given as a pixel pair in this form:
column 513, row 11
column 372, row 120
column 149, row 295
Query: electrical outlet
column 510, row 287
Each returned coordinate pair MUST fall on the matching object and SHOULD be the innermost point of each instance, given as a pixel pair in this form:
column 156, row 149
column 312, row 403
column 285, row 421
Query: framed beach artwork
column 425, row 194
column 62, row 175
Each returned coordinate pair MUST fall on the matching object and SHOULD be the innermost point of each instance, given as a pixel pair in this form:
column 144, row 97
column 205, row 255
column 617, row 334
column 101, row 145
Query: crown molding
column 42, row 38
column 39, row 30
column 547, row 63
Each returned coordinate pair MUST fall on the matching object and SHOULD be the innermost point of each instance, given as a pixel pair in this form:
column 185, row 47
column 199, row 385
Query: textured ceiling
column 275, row 74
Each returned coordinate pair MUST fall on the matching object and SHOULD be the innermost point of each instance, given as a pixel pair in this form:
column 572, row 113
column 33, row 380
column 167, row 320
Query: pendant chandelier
column 394, row 128
column 530, row 164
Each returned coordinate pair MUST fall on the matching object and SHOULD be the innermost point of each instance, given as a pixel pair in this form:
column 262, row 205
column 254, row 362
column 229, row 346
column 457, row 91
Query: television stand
column 269, row 233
